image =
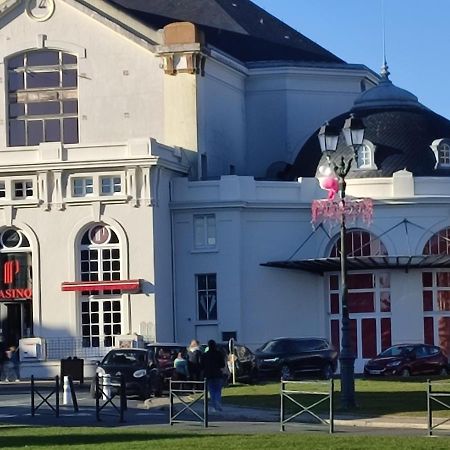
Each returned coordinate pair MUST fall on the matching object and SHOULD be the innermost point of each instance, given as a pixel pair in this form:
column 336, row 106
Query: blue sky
column 417, row 38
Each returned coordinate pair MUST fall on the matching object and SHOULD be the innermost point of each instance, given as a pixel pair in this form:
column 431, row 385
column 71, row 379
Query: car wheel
column 443, row 372
column 327, row 372
column 286, row 373
column 405, row 373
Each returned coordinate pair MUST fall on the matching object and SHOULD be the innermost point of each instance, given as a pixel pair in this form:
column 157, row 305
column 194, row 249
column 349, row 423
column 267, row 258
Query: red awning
column 129, row 286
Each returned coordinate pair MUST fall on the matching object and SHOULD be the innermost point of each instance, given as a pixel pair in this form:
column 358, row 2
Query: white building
column 150, row 158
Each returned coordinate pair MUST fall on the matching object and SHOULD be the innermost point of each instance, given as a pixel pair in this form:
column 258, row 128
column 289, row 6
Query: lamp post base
column 347, row 382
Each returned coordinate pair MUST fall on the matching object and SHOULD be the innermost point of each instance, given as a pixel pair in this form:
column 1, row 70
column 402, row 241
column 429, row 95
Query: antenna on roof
column 384, row 68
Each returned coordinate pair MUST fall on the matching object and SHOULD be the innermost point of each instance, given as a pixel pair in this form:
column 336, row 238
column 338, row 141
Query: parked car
column 408, row 359
column 244, row 360
column 163, row 356
column 137, row 366
column 289, row 357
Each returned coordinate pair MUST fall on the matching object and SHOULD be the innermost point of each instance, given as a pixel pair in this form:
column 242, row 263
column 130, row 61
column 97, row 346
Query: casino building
column 157, row 167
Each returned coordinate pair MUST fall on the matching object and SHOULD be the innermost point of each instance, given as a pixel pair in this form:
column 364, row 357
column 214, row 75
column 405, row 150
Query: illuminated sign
column 10, row 270
column 16, row 280
column 15, row 293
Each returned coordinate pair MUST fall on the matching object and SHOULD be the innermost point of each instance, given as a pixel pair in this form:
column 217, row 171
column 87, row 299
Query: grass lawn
column 374, row 397
column 133, row 438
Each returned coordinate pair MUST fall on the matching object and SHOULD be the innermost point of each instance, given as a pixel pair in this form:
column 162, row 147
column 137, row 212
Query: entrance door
column 15, row 321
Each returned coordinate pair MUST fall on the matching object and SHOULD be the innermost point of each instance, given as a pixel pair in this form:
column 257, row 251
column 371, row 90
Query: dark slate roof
column 238, row 27
column 402, row 137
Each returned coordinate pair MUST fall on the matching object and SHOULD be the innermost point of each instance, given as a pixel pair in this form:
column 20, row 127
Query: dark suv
column 288, row 357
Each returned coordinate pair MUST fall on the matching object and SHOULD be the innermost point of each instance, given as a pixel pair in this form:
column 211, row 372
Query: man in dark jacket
column 213, row 363
column 194, row 356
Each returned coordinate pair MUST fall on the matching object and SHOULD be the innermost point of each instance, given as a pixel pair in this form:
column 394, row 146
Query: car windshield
column 272, row 347
column 128, row 358
column 397, row 351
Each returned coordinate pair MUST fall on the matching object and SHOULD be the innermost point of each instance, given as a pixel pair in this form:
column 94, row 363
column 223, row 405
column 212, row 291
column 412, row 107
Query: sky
column 417, row 38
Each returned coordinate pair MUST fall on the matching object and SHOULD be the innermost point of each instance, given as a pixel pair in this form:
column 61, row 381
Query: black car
column 244, row 362
column 408, row 359
column 136, row 365
column 288, row 357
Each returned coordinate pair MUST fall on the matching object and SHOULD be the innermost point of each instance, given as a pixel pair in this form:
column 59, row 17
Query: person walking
column 2, row 357
column 194, row 357
column 12, row 364
column 213, row 363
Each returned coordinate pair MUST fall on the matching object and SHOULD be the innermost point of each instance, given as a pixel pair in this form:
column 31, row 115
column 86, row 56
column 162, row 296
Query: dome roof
column 400, row 129
column 386, row 96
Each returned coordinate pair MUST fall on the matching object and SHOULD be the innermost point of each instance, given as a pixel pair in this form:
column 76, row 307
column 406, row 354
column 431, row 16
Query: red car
column 408, row 359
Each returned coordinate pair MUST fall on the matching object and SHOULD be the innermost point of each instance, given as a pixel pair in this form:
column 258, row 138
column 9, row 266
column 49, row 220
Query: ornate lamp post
column 353, row 132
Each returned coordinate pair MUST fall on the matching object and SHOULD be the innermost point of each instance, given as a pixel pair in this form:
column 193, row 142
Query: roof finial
column 384, row 68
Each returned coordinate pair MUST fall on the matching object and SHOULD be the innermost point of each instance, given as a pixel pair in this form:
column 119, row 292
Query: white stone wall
column 262, row 221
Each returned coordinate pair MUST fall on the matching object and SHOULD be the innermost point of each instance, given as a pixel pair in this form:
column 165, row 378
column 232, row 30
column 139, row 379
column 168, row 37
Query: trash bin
column 73, row 367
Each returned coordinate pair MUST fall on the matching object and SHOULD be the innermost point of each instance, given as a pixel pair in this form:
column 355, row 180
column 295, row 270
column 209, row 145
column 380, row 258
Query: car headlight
column 393, row 364
column 100, row 371
column 271, row 360
column 140, row 373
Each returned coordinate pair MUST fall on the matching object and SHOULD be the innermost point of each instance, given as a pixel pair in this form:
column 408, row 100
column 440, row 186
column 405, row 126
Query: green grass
column 374, row 397
column 133, row 438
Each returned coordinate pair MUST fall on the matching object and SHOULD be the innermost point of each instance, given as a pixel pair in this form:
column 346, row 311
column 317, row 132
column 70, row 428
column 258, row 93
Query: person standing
column 12, row 364
column 2, row 357
column 213, row 363
column 181, row 372
column 195, row 360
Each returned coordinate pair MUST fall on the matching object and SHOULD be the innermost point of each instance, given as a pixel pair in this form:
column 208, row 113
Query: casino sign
column 16, row 280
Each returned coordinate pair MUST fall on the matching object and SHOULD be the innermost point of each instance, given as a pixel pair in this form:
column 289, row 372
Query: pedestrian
column 12, row 364
column 195, row 361
column 2, row 357
column 181, row 372
column 213, row 364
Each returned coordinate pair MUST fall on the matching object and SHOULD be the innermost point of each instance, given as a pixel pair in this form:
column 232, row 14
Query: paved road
column 15, row 409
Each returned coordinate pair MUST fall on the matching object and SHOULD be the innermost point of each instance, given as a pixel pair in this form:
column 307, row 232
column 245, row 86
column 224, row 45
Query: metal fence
column 439, row 396
column 297, row 393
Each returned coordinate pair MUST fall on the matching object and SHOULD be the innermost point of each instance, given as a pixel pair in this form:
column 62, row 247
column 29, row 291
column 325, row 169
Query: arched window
column 360, row 243
column 444, row 154
column 101, row 311
column 436, row 294
column 42, row 98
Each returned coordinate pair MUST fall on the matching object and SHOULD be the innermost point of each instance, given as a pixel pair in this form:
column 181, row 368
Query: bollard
column 67, row 391
column 106, row 385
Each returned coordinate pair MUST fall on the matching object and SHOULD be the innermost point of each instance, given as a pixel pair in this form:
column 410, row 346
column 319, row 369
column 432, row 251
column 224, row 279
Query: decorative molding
column 8, row 215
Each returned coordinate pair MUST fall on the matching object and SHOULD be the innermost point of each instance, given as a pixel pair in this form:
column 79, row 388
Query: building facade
column 156, row 178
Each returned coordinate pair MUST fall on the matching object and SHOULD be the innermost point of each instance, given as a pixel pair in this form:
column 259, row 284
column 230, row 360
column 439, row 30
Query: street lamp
column 353, row 132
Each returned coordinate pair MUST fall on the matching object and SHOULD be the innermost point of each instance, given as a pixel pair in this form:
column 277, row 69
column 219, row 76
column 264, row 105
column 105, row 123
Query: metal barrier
column 105, row 391
column 436, row 397
column 183, row 391
column 45, row 400
column 288, row 390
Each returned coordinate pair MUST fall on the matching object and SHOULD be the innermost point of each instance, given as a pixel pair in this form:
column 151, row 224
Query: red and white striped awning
column 125, row 286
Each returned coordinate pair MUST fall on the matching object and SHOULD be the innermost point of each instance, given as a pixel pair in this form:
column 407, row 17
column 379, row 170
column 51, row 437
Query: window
column 101, row 312
column 42, row 98
column 364, row 157
column 205, row 231
column 101, row 320
column 207, row 296
column 444, row 154
column 111, row 185
column 23, row 189
column 2, row 189
column 82, row 186
column 100, row 255
column 360, row 243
